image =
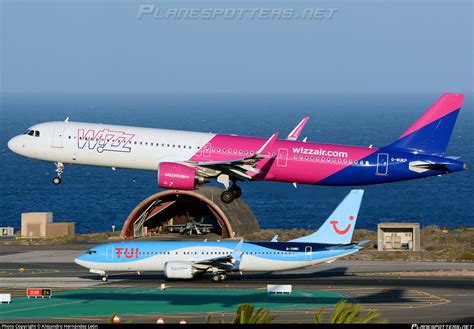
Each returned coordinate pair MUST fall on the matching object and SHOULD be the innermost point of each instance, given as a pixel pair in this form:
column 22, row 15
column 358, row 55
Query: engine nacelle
column 177, row 176
column 179, row 270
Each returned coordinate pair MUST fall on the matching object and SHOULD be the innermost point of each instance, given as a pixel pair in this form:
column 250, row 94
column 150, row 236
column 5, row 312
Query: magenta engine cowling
column 176, row 176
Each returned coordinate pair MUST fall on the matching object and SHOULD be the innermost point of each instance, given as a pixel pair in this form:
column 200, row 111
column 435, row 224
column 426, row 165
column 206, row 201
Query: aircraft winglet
column 237, row 254
column 295, row 133
column 268, row 144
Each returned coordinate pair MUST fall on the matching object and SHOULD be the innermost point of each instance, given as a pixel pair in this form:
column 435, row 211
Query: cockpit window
column 34, row 133
column 91, row 252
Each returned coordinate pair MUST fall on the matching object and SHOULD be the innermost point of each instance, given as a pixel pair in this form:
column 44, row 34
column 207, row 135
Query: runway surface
column 430, row 297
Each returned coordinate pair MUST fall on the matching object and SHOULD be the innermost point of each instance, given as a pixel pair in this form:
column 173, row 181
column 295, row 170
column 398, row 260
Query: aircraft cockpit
column 34, row 133
column 91, row 252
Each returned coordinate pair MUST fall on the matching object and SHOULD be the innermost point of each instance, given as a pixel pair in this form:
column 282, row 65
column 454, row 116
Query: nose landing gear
column 59, row 171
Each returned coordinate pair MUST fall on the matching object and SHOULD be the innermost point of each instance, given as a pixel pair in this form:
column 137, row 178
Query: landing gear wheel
column 236, row 191
column 227, row 196
column 104, row 279
column 59, row 171
column 222, row 277
column 216, row 278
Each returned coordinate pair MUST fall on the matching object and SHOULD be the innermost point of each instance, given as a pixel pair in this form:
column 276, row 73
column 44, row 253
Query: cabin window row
column 136, row 142
column 333, row 160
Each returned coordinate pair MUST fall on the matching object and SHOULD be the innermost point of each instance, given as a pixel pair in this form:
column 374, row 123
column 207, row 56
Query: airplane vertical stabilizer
column 430, row 134
column 339, row 227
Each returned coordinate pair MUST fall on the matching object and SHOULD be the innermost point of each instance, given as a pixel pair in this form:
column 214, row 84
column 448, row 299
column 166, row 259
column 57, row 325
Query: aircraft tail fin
column 339, row 227
column 430, row 134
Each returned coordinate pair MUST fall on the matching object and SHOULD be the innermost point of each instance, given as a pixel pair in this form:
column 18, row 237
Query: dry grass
column 438, row 245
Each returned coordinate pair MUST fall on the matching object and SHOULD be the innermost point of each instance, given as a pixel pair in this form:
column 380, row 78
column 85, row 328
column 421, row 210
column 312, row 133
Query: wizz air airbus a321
column 189, row 259
column 184, row 160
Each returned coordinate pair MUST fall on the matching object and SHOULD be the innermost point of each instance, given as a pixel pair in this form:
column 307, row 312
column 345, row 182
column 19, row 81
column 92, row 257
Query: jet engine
column 177, row 176
column 179, row 270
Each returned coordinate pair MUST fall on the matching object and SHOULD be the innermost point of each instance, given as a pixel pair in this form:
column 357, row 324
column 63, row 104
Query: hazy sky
column 365, row 46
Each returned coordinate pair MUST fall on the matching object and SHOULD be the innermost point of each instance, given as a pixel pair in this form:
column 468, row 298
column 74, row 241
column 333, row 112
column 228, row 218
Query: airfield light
column 160, row 321
column 116, row 319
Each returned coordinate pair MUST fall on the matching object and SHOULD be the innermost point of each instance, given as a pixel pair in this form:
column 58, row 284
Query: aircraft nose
column 14, row 144
column 79, row 261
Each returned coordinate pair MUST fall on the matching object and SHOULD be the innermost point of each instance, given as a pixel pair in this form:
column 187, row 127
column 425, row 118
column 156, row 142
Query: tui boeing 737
column 190, row 259
column 184, row 160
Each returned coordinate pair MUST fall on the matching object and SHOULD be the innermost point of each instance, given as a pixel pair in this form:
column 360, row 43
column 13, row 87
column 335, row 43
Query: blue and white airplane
column 190, row 259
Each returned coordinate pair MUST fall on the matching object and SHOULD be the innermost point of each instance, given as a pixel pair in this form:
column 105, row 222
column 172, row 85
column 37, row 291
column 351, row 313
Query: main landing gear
column 234, row 192
column 231, row 191
column 104, row 278
column 59, row 171
column 218, row 277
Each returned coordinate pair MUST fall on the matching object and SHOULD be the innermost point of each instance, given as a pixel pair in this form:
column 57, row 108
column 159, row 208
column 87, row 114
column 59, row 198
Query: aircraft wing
column 295, row 133
column 238, row 168
column 225, row 262
column 176, row 225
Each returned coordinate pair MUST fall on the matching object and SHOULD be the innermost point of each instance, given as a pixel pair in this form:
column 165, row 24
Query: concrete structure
column 398, row 236
column 57, row 230
column 173, row 207
column 40, row 225
column 6, row 232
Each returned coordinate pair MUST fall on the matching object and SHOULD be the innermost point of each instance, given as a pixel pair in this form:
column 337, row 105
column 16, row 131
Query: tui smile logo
column 339, row 231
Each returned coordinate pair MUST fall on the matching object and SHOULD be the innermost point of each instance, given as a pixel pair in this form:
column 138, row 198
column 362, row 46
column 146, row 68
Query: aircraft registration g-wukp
column 184, row 160
column 189, row 259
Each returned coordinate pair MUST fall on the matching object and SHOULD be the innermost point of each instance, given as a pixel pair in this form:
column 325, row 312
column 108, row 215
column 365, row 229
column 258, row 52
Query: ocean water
column 96, row 198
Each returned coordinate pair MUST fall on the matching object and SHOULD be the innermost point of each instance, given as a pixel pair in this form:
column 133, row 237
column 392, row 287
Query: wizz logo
column 104, row 140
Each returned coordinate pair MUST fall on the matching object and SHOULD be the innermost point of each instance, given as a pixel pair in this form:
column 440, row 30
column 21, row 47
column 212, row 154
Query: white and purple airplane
column 190, row 259
column 184, row 160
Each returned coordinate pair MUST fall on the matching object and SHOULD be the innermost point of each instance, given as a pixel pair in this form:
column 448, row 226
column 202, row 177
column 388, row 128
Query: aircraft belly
column 252, row 263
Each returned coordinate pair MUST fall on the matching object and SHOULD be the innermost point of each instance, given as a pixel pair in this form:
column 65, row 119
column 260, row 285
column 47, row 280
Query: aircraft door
column 382, row 164
column 308, row 253
column 58, row 137
column 207, row 150
column 109, row 253
column 282, row 160
column 204, row 151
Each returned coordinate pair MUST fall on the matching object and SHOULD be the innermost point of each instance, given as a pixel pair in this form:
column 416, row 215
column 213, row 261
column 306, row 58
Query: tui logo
column 339, row 231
